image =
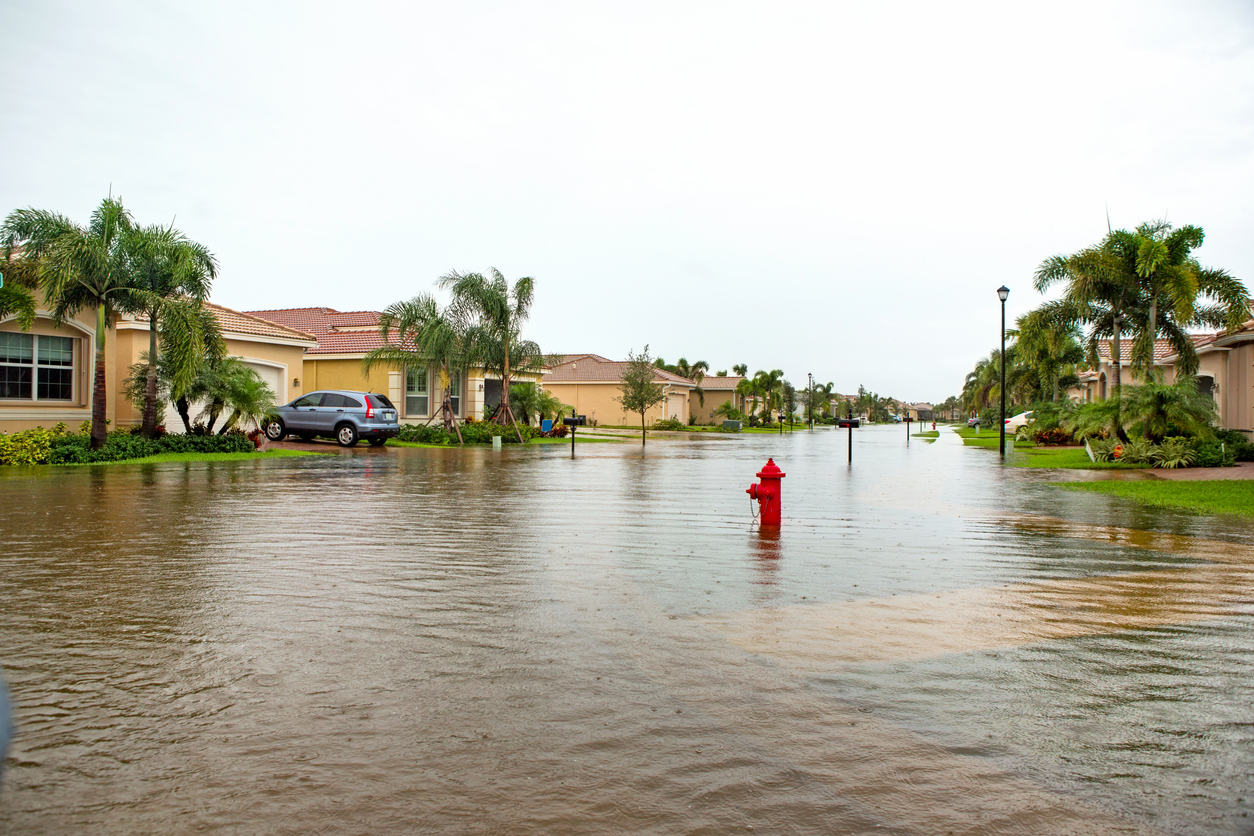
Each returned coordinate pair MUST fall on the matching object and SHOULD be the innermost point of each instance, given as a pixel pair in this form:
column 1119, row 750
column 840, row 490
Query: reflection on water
column 517, row 642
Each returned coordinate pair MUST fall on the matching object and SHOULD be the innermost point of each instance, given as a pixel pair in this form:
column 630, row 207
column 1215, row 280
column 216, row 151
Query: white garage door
column 273, row 378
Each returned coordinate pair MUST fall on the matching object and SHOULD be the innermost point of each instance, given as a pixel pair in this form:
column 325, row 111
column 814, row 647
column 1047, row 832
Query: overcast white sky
column 828, row 188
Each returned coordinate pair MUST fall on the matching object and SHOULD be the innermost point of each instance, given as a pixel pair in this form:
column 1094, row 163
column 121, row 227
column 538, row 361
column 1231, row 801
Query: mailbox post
column 574, row 421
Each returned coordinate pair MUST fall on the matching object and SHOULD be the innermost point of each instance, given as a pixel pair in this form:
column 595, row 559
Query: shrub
column 668, row 424
column 990, row 416
column 1213, row 454
column 26, row 447
column 1231, row 437
column 1242, row 451
column 1103, row 449
column 419, row 434
column 1174, row 452
column 1137, row 451
column 1054, row 435
column 234, row 441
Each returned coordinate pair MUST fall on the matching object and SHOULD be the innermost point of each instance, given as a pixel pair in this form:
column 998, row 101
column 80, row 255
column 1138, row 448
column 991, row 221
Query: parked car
column 848, row 422
column 341, row 414
column 1020, row 420
column 973, row 422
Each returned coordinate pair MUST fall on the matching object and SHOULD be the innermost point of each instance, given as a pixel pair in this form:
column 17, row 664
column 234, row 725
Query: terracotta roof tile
column 236, row 322
column 1162, row 348
column 593, row 368
column 326, row 323
column 714, row 383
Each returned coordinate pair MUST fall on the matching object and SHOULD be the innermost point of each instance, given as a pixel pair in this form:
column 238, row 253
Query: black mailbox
column 576, row 421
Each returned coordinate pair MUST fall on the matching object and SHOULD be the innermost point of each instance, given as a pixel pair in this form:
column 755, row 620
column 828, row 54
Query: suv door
column 303, row 413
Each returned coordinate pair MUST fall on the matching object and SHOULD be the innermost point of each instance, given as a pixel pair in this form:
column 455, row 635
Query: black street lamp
column 1002, row 293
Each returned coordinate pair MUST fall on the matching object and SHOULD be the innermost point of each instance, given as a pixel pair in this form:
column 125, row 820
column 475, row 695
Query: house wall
column 713, row 400
column 596, row 400
column 18, row 415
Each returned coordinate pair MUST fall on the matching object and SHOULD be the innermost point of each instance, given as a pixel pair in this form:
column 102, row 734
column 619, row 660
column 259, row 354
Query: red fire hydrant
column 767, row 493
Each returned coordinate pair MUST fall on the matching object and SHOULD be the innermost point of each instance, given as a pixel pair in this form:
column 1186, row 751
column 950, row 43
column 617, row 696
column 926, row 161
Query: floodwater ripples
column 407, row 640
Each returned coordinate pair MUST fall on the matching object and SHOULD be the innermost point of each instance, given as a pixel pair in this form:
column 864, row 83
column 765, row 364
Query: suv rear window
column 380, row 401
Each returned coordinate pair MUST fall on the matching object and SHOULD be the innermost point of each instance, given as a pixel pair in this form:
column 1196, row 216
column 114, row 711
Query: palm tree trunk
column 99, row 401
column 184, row 408
column 1117, row 358
column 149, row 426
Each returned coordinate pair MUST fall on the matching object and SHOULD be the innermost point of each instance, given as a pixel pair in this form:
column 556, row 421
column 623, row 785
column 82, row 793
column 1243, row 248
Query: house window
column 36, row 367
column 455, row 392
column 416, row 395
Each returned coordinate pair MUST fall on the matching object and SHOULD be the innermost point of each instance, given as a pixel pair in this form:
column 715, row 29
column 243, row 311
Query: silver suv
column 341, row 414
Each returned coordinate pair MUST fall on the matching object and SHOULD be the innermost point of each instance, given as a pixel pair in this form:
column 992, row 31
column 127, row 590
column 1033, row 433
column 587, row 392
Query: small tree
column 640, row 392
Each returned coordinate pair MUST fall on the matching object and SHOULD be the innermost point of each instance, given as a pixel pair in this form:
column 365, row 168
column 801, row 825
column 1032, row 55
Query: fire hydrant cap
column 771, row 471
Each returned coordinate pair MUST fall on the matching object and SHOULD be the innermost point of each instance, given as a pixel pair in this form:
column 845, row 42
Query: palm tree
column 172, row 276
column 692, row 371
column 416, row 334
column 767, row 385
column 1160, row 408
column 740, row 370
column 1171, row 280
column 823, row 394
column 247, row 396
column 490, row 315
column 1047, row 341
column 21, row 279
column 80, row 267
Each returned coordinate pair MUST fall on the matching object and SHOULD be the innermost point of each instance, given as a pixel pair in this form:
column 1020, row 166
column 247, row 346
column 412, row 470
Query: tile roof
column 593, row 368
column 714, row 383
column 337, row 332
column 235, row 322
column 1162, row 348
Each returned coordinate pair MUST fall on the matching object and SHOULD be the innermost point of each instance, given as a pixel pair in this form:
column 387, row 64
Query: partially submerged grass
column 928, row 434
column 1072, row 458
column 201, row 457
column 1221, row 496
column 579, row 439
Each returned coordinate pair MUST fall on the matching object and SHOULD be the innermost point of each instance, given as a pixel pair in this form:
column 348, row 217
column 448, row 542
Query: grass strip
column 160, row 458
column 928, row 434
column 392, row 442
column 1070, row 458
column 1220, row 496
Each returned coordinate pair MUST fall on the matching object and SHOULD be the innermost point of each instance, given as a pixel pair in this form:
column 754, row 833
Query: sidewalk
column 1242, row 470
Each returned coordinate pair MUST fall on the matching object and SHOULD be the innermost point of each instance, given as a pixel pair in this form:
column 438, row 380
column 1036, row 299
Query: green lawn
column 1073, row 458
column 1221, row 496
column 204, row 457
column 928, row 434
column 993, row 441
column 580, row 439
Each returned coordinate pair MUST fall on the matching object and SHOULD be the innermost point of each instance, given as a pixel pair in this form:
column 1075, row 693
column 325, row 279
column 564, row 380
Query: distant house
column 718, row 391
column 46, row 373
column 342, row 340
column 591, row 383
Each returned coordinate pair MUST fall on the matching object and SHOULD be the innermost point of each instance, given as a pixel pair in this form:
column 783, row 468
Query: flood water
column 428, row 641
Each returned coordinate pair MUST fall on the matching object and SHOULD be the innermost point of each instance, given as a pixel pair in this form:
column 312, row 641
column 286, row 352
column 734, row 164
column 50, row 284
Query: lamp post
column 1002, row 293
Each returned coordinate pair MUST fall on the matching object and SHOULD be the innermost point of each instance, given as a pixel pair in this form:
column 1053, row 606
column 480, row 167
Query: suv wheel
column 346, row 435
column 275, row 431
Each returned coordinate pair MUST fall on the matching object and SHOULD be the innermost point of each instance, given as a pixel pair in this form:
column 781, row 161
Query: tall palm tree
column 1172, row 281
column 740, row 370
column 490, row 315
column 823, row 393
column 768, row 386
column 1048, row 341
column 1100, row 293
column 80, row 267
column 416, row 334
column 172, row 276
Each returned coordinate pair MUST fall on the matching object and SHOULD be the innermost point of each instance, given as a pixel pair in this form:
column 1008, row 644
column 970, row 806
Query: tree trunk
column 99, row 401
column 642, row 433
column 183, row 408
column 1153, row 336
column 215, row 409
column 1117, row 359
column 149, row 426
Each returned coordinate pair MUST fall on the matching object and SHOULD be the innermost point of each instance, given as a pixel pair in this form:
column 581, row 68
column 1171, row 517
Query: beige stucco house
column 47, row 372
column 1225, row 371
column 718, row 391
column 591, row 383
column 342, row 340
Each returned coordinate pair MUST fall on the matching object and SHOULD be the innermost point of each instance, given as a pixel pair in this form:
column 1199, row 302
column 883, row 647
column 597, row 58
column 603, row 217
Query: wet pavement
column 470, row 641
